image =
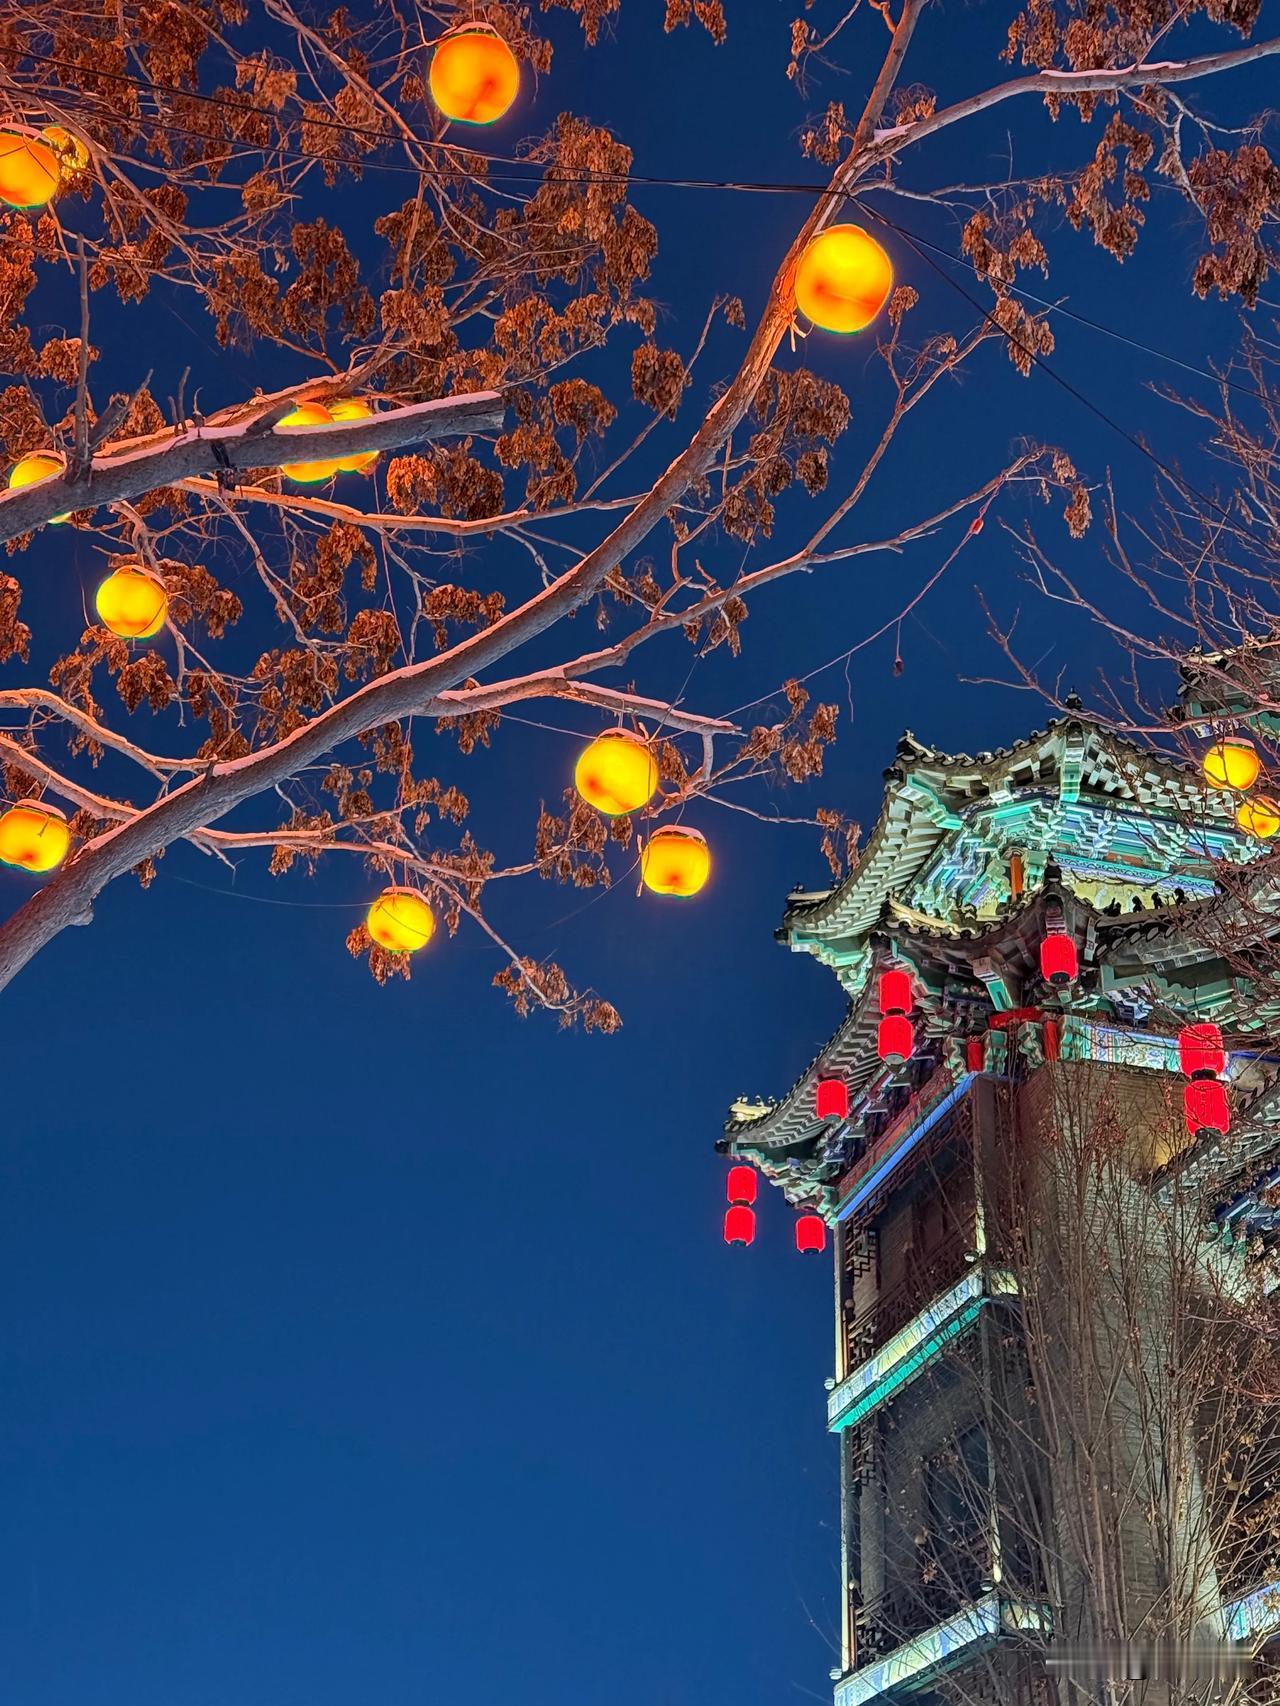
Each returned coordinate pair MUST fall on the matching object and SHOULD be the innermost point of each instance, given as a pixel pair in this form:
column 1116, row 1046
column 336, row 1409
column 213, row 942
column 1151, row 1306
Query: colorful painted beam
column 911, row 1350
column 940, row 1649
column 1254, row 1617
column 892, row 1149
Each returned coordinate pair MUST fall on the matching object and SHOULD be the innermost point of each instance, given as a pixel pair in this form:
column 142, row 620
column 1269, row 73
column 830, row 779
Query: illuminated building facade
column 1041, row 921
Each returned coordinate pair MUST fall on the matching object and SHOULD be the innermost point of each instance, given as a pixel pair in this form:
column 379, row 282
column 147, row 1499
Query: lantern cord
column 550, row 728
column 266, row 899
column 593, row 900
column 362, row 906
column 970, row 532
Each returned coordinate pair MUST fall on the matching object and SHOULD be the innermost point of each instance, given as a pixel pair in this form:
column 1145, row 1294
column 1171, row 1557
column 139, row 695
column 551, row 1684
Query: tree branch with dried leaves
column 475, row 316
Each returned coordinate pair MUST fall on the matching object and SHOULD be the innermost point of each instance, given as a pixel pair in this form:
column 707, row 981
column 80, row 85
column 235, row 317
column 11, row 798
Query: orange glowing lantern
column 401, row 921
column 1259, row 816
column 132, row 603
column 308, row 473
column 1231, row 763
column 843, row 279
column 353, row 409
column 33, row 837
column 29, row 175
column 474, row 76
column 617, row 773
column 675, row 861
column 31, row 469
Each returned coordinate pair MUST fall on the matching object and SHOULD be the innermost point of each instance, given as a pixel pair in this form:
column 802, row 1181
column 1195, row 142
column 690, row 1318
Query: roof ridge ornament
column 1071, row 763
column 910, row 746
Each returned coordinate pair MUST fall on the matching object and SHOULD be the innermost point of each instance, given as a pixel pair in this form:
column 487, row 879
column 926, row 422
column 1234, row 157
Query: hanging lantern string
column 741, row 186
column 267, row 899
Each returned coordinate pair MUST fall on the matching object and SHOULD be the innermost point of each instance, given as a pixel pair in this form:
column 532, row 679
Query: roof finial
column 1073, row 701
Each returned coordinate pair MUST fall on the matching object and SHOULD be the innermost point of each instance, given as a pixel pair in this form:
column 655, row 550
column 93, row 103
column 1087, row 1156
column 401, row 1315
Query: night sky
column 367, row 1345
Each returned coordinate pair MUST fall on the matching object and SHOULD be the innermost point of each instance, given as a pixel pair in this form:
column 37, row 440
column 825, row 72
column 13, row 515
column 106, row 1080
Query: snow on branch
column 255, row 440
column 1065, row 84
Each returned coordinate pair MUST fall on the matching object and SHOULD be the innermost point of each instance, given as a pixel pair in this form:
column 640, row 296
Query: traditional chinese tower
column 1019, row 921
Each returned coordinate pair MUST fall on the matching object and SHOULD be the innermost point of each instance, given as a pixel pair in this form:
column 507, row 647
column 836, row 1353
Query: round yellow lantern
column 401, row 921
column 29, row 175
column 353, row 409
column 617, row 773
column 843, row 279
column 72, row 155
column 30, row 470
column 308, row 473
column 474, row 76
column 132, row 603
column 33, row 837
column 675, row 861
column 1259, row 816
column 1232, row 762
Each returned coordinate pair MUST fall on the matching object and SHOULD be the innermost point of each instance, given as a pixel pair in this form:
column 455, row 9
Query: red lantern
column 741, row 1185
column 1200, row 1051
column 832, row 1099
column 975, row 1054
column 895, row 1040
column 896, row 995
column 811, row 1234
column 739, row 1225
column 1204, row 1102
column 1059, row 962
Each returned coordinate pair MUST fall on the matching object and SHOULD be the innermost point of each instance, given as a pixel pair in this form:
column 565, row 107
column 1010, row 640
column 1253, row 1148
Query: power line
column 535, row 177
column 1038, row 360
column 149, row 85
column 532, row 176
column 1069, row 313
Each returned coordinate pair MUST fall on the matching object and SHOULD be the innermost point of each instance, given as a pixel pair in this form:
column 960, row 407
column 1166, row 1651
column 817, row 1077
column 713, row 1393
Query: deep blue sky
column 368, row 1345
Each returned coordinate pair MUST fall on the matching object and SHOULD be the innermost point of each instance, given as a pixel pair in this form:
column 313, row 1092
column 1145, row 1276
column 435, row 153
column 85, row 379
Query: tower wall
column 1050, row 1353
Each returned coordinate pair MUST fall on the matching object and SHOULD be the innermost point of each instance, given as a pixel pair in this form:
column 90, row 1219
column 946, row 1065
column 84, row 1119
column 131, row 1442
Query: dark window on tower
column 933, row 1222
column 956, row 1502
column 956, row 1487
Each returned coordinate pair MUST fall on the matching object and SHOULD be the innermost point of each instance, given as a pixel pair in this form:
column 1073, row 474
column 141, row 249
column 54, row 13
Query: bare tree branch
column 251, row 442
column 1064, row 84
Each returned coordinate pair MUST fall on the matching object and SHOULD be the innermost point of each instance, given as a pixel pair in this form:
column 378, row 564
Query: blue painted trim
column 895, row 1155
column 1228, row 1215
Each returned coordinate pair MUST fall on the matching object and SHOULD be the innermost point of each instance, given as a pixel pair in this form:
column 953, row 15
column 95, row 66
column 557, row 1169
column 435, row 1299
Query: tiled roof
column 929, row 792
column 965, row 807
